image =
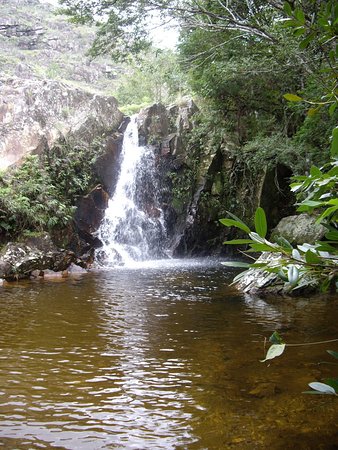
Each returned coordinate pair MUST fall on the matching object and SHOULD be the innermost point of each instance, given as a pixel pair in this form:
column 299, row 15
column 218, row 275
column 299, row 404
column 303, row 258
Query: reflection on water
column 160, row 356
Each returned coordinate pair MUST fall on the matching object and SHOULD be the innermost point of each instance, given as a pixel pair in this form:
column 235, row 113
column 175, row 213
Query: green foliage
column 152, row 77
column 182, row 183
column 316, row 23
column 41, row 194
column 29, row 201
column 305, row 264
column 69, row 166
column 124, row 24
column 318, row 191
column 243, row 78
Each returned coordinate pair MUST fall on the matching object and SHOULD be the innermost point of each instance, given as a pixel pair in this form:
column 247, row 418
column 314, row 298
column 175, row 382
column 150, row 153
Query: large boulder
column 19, row 260
column 35, row 113
column 259, row 282
column 299, row 228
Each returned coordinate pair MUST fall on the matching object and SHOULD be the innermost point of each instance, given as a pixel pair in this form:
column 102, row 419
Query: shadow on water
column 161, row 355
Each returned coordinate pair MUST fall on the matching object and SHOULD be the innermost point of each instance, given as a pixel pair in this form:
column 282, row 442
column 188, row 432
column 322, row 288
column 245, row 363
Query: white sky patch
column 163, row 36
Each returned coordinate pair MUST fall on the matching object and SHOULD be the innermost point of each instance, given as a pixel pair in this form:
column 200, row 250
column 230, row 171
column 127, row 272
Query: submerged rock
column 264, row 389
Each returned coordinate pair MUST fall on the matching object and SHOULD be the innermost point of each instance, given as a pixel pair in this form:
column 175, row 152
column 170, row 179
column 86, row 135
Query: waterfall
column 133, row 227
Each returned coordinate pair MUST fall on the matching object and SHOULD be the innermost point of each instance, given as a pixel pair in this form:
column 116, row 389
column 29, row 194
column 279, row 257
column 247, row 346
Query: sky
column 163, row 37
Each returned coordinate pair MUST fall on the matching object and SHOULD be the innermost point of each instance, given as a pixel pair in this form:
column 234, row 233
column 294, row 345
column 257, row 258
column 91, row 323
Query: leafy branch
column 295, row 266
column 330, row 386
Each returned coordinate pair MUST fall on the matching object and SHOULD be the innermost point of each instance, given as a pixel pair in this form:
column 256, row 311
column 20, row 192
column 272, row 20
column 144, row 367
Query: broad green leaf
column 275, row 338
column 292, row 98
column 295, row 187
column 282, row 275
column 325, row 285
column 299, row 31
column 333, row 172
column 312, row 258
column 325, row 247
column 322, row 387
column 333, row 382
column 311, row 111
column 235, row 223
column 287, row 8
column 260, row 222
column 274, row 351
column 333, row 201
column 280, row 240
column 238, row 241
column 302, row 45
column 293, row 275
column 312, row 203
column 315, row 172
column 300, row 16
column 289, row 23
column 304, row 208
column 334, row 143
column 257, row 247
column 256, row 237
column 332, row 108
column 332, row 235
column 235, row 217
column 333, row 353
column 332, row 56
column 236, row 264
column 259, row 265
column 327, row 213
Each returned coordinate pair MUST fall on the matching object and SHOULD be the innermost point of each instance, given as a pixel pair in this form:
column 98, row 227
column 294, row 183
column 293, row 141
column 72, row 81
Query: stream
column 161, row 355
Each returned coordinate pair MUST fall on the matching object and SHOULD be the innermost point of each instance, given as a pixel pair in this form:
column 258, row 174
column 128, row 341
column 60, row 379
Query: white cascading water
column 133, row 228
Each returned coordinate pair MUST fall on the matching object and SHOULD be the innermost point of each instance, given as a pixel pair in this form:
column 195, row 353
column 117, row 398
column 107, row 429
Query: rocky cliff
column 202, row 178
column 77, row 138
column 37, row 43
column 35, row 114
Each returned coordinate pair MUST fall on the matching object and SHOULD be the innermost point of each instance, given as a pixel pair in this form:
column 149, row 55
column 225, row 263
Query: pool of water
column 161, row 355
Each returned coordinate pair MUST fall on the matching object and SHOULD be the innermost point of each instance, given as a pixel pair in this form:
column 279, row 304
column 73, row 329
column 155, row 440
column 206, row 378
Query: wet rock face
column 201, row 179
column 107, row 165
column 153, row 124
column 19, row 260
column 34, row 114
column 166, row 129
column 89, row 215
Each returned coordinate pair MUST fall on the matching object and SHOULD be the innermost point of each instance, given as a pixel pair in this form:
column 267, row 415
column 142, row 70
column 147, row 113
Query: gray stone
column 259, row 282
column 89, row 215
column 299, row 229
column 34, row 114
column 20, row 260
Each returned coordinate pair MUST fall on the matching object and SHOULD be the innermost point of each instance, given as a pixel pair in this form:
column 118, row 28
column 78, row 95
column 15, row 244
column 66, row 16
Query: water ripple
column 143, row 358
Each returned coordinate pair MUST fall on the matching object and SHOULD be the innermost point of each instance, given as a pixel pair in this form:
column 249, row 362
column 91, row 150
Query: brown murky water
column 162, row 357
